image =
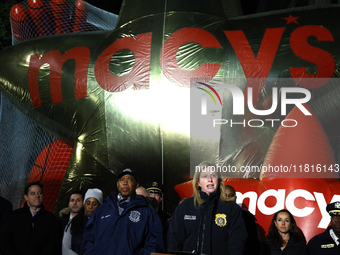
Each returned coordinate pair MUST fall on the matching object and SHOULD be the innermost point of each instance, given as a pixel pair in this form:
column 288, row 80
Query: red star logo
column 291, row 19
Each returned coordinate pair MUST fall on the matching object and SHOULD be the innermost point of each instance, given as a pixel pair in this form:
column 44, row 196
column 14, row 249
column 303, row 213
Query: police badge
column 221, row 219
column 134, row 216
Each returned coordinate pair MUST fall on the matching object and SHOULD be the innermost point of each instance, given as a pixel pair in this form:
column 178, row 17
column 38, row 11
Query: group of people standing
column 284, row 236
column 130, row 222
column 75, row 218
column 125, row 223
column 210, row 222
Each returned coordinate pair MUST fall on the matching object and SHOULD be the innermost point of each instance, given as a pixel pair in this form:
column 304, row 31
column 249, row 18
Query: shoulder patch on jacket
column 189, row 217
column 220, row 219
column 134, row 216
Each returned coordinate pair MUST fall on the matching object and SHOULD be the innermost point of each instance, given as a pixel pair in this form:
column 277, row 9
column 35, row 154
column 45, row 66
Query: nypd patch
column 134, row 216
column 220, row 219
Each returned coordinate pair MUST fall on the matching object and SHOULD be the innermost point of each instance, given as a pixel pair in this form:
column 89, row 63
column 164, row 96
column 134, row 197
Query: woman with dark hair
column 283, row 236
column 207, row 223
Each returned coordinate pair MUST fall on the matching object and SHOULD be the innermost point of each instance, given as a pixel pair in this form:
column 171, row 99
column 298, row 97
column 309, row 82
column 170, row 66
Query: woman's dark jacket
column 214, row 228
column 295, row 246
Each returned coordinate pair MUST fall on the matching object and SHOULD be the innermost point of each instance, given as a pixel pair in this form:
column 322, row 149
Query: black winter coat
column 323, row 244
column 77, row 236
column 295, row 246
column 253, row 242
column 27, row 235
column 214, row 228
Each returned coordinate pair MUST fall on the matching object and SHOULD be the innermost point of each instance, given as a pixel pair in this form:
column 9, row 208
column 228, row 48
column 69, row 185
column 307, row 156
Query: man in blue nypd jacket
column 327, row 243
column 124, row 224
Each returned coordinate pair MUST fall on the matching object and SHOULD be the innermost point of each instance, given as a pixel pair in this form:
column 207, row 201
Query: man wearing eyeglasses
column 125, row 223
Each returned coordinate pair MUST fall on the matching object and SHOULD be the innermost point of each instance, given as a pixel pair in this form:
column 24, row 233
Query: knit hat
column 96, row 193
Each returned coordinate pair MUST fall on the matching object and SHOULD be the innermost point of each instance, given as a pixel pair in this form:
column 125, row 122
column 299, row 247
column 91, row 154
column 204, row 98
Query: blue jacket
column 137, row 230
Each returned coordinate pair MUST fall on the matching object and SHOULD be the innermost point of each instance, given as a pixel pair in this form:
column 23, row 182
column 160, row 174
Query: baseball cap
column 127, row 171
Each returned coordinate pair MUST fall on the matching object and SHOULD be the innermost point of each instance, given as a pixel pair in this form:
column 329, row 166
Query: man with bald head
column 142, row 191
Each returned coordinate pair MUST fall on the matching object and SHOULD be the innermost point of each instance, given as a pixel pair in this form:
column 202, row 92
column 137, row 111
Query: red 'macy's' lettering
column 81, row 55
column 253, row 67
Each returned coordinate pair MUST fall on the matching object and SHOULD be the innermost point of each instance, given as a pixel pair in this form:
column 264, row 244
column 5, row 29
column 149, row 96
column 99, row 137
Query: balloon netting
column 28, row 152
column 49, row 168
column 31, row 19
column 21, row 142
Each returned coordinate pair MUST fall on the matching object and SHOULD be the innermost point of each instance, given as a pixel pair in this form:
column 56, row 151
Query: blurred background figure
column 93, row 198
column 5, row 208
column 253, row 241
column 230, row 193
column 283, row 236
column 73, row 225
column 142, row 191
column 155, row 190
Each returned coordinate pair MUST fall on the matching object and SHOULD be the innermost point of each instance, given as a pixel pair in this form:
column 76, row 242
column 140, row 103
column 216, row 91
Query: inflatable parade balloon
column 176, row 83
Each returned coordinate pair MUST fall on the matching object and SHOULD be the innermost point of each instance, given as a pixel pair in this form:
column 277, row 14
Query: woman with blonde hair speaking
column 207, row 223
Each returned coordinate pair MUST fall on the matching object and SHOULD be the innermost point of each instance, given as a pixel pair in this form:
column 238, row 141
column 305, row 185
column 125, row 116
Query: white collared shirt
column 34, row 213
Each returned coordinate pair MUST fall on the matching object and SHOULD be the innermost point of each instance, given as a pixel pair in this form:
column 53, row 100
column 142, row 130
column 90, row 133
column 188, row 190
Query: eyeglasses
column 230, row 195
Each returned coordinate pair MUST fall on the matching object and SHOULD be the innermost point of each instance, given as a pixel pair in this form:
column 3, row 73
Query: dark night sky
column 249, row 6
column 107, row 5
